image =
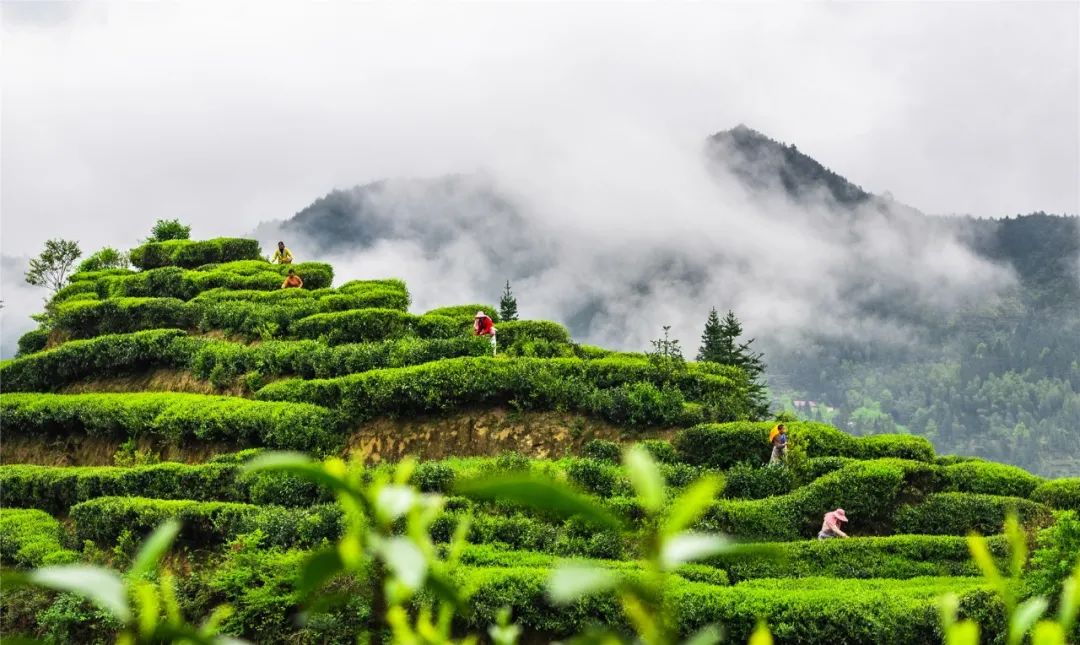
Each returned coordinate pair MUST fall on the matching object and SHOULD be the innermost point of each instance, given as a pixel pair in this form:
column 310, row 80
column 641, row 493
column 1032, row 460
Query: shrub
column 56, row 489
column 1062, row 493
column 172, row 416
column 601, row 478
column 990, row 478
column 32, row 341
column 811, row 469
column 85, row 319
column 433, row 477
column 602, row 450
column 661, row 450
column 465, row 314
column 749, row 481
column 106, row 258
column 516, row 332
column 102, row 520
column 1057, row 553
column 897, row 556
column 190, row 254
column 960, row 513
column 31, row 538
column 357, row 326
column 868, row 490
column 78, row 359
column 901, row 446
column 523, row 382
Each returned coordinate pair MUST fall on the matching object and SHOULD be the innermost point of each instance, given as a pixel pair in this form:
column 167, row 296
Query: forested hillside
column 994, row 376
column 438, row 486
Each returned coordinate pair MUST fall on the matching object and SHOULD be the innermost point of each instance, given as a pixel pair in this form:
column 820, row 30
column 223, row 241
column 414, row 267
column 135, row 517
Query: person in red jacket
column 484, row 326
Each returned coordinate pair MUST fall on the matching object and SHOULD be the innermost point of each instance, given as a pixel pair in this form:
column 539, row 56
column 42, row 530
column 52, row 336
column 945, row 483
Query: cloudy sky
column 229, row 114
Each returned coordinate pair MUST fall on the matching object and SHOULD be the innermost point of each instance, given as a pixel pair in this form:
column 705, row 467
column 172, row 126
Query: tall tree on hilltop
column 508, row 305
column 720, row 344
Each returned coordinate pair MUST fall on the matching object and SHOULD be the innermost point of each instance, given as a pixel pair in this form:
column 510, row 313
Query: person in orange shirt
column 292, row 281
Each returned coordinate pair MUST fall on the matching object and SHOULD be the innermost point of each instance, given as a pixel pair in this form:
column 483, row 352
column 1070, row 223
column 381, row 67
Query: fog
column 590, row 119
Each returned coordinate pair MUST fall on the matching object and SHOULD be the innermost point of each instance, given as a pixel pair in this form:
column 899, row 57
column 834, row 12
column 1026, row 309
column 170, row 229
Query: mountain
column 978, row 353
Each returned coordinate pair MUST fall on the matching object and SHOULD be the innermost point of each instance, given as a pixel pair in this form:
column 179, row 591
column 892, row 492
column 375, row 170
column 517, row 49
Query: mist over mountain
column 850, row 294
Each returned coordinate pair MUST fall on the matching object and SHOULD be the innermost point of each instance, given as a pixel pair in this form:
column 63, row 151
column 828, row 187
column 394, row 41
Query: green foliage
column 106, row 258
column 369, row 325
column 960, row 513
column 517, row 332
column 32, row 341
column 1062, row 493
column 190, row 254
column 50, row 269
column 169, row 229
column 465, row 314
column 991, row 478
column 1056, row 556
column 172, row 417
column 592, row 386
column 433, row 477
column 31, row 538
column 103, row 519
column 86, row 319
column 602, row 450
column 508, row 304
column 78, row 359
column 750, row 481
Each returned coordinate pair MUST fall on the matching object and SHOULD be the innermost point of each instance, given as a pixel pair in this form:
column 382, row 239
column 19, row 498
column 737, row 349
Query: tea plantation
column 151, row 391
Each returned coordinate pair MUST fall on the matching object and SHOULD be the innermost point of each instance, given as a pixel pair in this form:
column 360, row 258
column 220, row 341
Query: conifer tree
column 508, row 305
column 715, row 348
column 720, row 344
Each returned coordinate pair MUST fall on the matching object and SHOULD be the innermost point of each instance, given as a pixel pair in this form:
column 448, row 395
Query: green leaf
column 1047, row 632
column 444, row 589
column 393, row 501
column 644, row 477
column 100, row 586
column 569, row 582
column 965, row 632
column 154, row 548
column 981, row 554
column 318, row 569
column 687, row 547
column 712, row 634
column 1018, row 550
column 299, row 464
column 405, row 562
column 692, row 503
column 542, row 495
column 761, row 635
column 1024, row 617
column 1070, row 599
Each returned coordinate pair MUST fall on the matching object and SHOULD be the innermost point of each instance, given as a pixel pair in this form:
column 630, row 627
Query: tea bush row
column 724, row 445
column 190, row 254
column 104, row 519
column 622, row 391
column 185, row 284
column 1062, row 493
column 32, row 538
column 172, row 417
column 959, row 513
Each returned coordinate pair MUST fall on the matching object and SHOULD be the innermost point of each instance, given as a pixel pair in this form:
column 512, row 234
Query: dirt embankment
column 478, row 432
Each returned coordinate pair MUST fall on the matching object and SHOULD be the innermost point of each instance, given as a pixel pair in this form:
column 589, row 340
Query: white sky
column 228, row 114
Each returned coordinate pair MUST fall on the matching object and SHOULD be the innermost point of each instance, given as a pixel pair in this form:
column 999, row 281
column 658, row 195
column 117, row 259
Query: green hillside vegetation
column 335, row 548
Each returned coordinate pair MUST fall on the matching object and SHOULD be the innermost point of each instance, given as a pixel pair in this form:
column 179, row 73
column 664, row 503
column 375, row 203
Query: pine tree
column 720, row 344
column 715, row 347
column 508, row 305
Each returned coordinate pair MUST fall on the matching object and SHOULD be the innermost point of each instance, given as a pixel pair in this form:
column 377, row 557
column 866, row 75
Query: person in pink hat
column 483, row 326
column 830, row 527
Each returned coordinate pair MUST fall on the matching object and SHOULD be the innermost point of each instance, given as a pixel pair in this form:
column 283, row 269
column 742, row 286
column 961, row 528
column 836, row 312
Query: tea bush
column 368, row 325
column 173, row 417
column 103, row 519
column 959, row 513
column 1062, row 493
column 86, row 319
column 32, row 341
column 991, row 478
column 190, row 254
column 749, row 481
column 32, row 538
column 78, row 359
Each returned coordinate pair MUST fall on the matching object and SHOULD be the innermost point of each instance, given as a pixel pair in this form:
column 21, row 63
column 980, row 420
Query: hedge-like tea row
column 896, row 556
column 991, row 478
column 31, row 538
column 624, row 391
column 811, row 610
column 869, row 491
column 960, row 513
column 368, row 325
column 174, row 282
column 78, row 359
column 724, row 445
column 57, row 488
column 1063, row 494
column 104, row 519
column 190, row 254
column 89, row 318
column 329, row 299
column 32, row 341
column 172, row 416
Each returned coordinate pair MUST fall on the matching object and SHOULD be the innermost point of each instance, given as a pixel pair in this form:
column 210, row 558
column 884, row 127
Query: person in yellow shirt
column 282, row 255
